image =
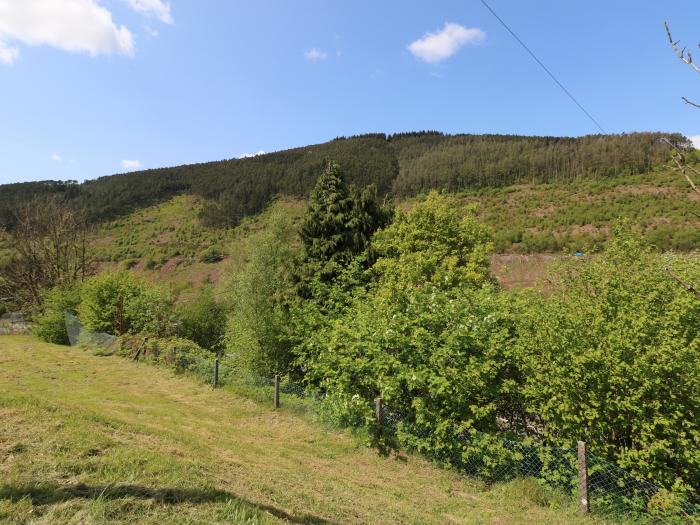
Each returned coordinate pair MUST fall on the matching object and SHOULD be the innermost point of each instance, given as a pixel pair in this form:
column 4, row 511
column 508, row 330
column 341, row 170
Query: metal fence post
column 583, row 478
column 277, row 391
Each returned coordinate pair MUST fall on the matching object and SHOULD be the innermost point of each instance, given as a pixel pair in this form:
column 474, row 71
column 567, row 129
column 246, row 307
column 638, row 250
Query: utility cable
column 568, row 93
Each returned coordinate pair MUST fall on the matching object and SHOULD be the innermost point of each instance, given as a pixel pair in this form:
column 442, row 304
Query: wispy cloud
column 315, row 55
column 441, row 45
column 69, row 25
column 131, row 164
column 151, row 32
column 157, row 8
column 56, row 157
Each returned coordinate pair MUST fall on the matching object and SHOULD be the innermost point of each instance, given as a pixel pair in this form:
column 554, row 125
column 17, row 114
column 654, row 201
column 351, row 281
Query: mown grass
column 87, row 439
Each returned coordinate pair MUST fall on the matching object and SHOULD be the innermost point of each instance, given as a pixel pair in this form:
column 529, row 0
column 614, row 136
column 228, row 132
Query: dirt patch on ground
column 578, row 229
column 102, row 242
column 545, row 211
column 170, row 266
column 657, row 221
column 516, row 271
column 645, row 189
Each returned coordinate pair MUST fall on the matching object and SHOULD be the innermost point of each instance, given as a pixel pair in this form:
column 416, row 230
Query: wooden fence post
column 138, row 352
column 277, row 391
column 378, row 413
column 216, row 372
column 583, row 478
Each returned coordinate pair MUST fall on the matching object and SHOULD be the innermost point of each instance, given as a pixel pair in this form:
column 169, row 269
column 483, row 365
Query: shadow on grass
column 51, row 493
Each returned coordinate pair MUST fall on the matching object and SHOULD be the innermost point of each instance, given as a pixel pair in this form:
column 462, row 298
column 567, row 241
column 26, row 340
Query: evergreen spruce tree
column 326, row 232
column 337, row 229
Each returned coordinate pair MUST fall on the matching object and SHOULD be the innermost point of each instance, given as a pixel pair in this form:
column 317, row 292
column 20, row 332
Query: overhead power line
column 556, row 80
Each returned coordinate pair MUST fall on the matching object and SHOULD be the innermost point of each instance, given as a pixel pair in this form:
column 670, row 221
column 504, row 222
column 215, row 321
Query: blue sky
column 95, row 87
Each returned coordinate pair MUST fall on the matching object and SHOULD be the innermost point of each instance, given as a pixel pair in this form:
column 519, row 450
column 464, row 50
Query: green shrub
column 150, row 263
column 118, row 303
column 3, row 308
column 345, row 411
column 211, row 255
column 203, row 320
column 613, row 357
column 50, row 324
column 130, row 263
column 181, row 354
column 429, row 336
column 258, row 330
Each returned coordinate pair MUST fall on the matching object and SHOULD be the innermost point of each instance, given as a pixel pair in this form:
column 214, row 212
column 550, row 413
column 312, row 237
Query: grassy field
column 87, row 439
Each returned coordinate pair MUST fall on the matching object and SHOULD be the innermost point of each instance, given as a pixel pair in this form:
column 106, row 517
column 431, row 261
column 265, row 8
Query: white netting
column 78, row 335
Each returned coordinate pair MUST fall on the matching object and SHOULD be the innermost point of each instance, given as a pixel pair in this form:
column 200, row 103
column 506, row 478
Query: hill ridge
column 401, row 164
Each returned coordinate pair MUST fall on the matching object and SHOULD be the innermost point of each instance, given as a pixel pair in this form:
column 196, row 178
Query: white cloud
column 8, row 54
column 695, row 139
column 131, row 164
column 70, row 25
column 248, row 155
column 441, row 45
column 157, row 8
column 56, row 157
column 315, row 55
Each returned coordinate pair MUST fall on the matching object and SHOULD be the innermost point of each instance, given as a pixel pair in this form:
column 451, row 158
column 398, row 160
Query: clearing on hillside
column 89, row 439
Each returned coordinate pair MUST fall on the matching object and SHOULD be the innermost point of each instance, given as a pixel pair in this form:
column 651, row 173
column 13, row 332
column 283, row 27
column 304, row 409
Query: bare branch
column 684, row 55
column 690, row 102
column 681, row 166
column 49, row 246
column 689, row 287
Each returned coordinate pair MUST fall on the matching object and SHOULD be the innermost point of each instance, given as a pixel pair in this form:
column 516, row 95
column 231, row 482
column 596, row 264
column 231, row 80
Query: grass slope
column 578, row 215
column 164, row 242
column 531, row 224
column 88, row 439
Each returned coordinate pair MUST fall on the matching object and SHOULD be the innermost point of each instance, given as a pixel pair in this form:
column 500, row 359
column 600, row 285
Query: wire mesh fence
column 611, row 491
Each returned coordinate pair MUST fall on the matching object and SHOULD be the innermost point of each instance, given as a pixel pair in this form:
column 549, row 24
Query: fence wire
column 612, row 491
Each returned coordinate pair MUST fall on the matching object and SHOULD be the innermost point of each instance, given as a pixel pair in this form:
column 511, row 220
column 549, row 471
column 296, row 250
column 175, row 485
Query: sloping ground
column 579, row 215
column 86, row 439
column 165, row 242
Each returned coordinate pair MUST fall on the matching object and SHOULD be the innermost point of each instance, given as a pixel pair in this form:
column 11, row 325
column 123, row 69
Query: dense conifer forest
column 403, row 165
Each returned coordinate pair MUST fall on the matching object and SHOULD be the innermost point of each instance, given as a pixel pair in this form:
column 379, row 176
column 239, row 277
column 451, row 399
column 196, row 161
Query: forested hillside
column 403, row 165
